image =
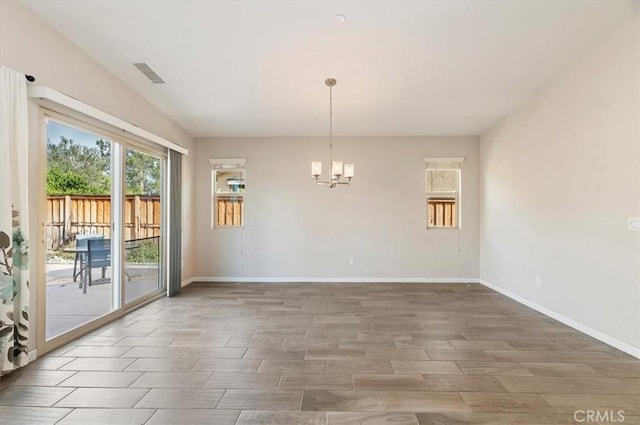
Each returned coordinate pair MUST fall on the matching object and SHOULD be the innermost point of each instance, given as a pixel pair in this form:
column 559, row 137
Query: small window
column 443, row 177
column 228, row 192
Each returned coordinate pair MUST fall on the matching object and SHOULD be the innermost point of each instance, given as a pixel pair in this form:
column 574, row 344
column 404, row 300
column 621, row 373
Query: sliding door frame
column 160, row 154
column 118, row 187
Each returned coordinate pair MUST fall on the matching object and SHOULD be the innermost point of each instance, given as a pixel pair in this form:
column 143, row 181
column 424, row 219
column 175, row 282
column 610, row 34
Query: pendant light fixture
column 341, row 173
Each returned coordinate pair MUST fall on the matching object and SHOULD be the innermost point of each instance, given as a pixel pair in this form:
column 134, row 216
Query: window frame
column 227, row 165
column 447, row 164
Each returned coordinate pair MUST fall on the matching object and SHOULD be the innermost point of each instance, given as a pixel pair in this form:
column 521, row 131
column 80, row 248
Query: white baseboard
column 33, row 354
column 234, row 279
column 187, row 282
column 607, row 339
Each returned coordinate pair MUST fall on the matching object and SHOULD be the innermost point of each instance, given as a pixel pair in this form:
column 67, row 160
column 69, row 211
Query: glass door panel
column 78, row 228
column 143, row 175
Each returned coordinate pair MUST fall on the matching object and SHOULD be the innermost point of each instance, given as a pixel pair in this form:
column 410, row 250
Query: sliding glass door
column 103, row 225
column 79, row 213
column 143, row 224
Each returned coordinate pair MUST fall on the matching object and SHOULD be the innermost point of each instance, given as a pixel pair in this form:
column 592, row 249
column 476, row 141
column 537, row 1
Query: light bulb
column 349, row 170
column 316, row 168
column 336, row 168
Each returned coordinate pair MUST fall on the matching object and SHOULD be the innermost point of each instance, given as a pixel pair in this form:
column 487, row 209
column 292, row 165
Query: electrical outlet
column 538, row 281
column 352, row 261
column 634, row 224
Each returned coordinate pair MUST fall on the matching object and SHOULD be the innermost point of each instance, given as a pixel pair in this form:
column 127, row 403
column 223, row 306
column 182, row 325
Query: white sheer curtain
column 14, row 221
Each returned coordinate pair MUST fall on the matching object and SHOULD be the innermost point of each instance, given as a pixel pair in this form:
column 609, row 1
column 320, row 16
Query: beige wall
column 560, row 177
column 294, row 229
column 29, row 45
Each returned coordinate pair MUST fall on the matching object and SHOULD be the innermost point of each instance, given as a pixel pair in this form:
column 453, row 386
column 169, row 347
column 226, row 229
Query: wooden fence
column 229, row 211
column 68, row 216
column 441, row 212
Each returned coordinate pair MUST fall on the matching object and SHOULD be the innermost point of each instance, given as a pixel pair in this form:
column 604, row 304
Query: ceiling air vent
column 149, row 73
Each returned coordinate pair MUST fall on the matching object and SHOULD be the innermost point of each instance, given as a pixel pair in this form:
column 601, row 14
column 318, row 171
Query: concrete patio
column 68, row 307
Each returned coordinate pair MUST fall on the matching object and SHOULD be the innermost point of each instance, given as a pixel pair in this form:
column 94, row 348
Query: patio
column 68, row 307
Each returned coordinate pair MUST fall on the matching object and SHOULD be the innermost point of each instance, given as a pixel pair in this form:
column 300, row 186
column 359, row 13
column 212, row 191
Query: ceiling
column 257, row 68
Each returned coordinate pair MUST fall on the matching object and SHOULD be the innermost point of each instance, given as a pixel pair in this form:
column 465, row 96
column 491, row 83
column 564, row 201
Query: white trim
column 187, row 282
column 235, row 279
column 607, row 339
column 227, row 163
column 165, row 214
column 46, row 94
column 33, row 355
column 444, row 159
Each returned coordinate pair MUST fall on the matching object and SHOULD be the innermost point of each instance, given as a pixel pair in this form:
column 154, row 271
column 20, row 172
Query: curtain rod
column 30, row 78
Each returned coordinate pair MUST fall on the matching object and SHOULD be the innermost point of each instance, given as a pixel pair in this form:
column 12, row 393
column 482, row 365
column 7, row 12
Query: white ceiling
column 257, row 68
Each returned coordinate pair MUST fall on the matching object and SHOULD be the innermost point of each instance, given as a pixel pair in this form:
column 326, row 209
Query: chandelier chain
column 330, row 125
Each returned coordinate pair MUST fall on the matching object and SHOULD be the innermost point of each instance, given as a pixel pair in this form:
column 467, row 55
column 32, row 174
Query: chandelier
column 341, row 173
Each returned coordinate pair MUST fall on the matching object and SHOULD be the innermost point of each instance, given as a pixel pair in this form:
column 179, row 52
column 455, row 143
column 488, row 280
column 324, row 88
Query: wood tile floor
column 327, row 354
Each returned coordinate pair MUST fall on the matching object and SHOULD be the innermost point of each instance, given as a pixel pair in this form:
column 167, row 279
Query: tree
column 69, row 183
column 142, row 174
column 74, row 169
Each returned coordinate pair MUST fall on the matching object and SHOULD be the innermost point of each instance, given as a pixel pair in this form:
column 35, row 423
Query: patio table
column 84, row 270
